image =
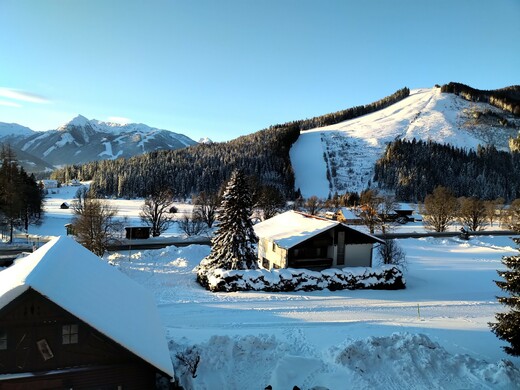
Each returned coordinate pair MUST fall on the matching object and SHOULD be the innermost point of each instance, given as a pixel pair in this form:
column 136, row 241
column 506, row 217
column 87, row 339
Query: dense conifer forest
column 188, row 171
column 204, row 167
column 414, row 168
column 507, row 99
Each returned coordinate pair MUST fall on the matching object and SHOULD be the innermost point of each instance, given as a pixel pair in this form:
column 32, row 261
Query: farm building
column 348, row 216
column 297, row 240
column 137, row 232
column 70, row 320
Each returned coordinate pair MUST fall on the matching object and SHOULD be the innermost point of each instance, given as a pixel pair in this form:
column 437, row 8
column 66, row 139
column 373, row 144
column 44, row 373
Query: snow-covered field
column 432, row 335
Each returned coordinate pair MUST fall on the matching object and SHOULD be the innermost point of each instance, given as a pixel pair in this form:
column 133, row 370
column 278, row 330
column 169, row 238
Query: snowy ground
column 433, row 335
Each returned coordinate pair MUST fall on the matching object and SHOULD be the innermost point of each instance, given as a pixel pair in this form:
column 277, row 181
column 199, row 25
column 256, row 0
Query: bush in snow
column 233, row 244
column 391, row 254
column 290, row 279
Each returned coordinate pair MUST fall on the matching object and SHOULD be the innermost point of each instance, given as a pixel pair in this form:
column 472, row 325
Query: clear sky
column 221, row 69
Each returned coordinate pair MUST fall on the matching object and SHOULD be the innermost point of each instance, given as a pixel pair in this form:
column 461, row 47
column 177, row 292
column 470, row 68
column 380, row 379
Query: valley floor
column 434, row 334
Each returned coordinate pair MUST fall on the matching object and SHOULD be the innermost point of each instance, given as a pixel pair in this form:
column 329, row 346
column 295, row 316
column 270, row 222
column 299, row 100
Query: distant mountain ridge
column 82, row 140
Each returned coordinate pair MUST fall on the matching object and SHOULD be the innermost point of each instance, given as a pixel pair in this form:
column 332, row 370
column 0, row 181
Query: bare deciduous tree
column 206, row 207
column 192, row 225
column 156, row 212
column 94, row 222
column 313, row 205
column 440, row 209
column 391, row 253
column 494, row 209
column 472, row 213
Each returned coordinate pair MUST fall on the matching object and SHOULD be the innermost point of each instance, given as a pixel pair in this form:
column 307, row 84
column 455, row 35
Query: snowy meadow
column 434, row 334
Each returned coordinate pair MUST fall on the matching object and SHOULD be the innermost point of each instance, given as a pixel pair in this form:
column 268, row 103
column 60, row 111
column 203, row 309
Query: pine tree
column 233, row 244
column 508, row 326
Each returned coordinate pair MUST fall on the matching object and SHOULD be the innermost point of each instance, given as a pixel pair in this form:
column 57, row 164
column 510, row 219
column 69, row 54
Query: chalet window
column 318, row 252
column 273, row 248
column 3, row 339
column 69, row 334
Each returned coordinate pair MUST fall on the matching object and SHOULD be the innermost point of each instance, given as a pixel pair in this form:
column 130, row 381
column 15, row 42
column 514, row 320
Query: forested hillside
column 507, row 99
column 204, row 167
column 414, row 168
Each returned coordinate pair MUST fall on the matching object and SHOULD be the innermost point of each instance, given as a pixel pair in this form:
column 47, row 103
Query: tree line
column 353, row 112
column 21, row 197
column 507, row 99
column 414, row 168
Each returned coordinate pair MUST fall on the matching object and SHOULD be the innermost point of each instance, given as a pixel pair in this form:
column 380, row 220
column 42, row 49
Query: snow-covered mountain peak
column 78, row 121
column 205, row 140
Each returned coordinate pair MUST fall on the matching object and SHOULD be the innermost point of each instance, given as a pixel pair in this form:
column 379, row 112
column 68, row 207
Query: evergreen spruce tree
column 233, row 244
column 508, row 326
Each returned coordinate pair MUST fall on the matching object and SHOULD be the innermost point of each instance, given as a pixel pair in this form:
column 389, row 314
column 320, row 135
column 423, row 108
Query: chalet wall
column 36, row 343
column 275, row 255
column 359, row 255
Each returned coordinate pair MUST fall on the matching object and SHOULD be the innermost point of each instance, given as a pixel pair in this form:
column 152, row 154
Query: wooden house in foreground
column 69, row 320
column 298, row 240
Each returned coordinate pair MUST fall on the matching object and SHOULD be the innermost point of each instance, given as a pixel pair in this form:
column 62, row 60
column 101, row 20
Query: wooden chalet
column 297, row 240
column 68, row 320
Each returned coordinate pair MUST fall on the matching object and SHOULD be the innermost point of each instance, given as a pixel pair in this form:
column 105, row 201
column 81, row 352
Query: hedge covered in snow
column 291, row 279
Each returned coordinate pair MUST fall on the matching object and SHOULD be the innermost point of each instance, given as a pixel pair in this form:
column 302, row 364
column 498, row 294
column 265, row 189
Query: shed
column 137, row 232
column 298, row 240
column 70, row 320
column 348, row 216
column 64, row 206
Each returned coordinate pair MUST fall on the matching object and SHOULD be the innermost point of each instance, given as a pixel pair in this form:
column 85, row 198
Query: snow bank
column 290, row 279
column 401, row 360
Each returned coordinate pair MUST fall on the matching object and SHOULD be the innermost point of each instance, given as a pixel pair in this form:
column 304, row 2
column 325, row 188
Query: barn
column 70, row 320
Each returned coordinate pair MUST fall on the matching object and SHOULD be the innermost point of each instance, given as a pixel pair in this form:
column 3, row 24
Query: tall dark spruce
column 507, row 326
column 233, row 244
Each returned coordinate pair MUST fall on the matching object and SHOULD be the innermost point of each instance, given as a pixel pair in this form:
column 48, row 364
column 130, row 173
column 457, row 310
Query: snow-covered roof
column 81, row 283
column 292, row 228
column 349, row 214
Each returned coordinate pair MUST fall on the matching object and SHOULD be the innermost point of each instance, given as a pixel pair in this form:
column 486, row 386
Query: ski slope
column 356, row 144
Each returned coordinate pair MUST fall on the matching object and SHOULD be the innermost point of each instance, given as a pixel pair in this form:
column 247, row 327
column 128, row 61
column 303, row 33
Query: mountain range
column 82, row 140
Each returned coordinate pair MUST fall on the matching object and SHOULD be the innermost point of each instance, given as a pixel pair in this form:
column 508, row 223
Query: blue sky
column 221, row 69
